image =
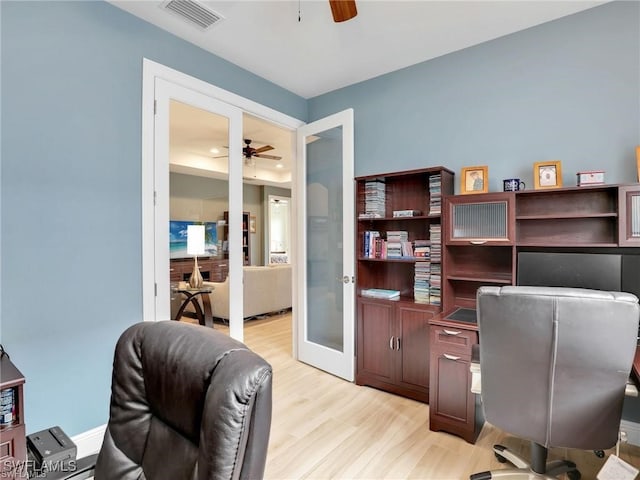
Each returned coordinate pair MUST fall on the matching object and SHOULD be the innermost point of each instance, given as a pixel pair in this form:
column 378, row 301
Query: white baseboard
column 89, row 442
column 632, row 430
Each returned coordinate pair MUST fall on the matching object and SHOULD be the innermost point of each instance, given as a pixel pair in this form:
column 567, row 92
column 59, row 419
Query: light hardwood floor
column 324, row 427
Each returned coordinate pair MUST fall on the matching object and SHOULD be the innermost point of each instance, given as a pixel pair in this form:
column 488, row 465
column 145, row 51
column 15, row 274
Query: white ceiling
column 193, row 133
column 315, row 55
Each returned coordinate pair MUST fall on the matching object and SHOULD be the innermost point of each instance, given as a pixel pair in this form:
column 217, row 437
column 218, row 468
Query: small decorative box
column 593, row 177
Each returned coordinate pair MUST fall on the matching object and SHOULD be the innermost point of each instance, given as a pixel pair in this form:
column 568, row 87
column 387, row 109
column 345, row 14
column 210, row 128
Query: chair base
column 525, row 470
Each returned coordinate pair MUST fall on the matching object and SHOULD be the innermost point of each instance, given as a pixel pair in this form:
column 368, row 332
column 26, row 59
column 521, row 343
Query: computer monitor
column 598, row 271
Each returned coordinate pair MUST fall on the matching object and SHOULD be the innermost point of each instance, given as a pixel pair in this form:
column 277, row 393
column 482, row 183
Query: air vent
column 193, row 12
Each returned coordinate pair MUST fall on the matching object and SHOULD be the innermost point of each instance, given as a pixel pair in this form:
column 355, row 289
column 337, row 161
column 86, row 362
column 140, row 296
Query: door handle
column 398, row 343
column 451, row 357
column 391, row 342
column 345, row 279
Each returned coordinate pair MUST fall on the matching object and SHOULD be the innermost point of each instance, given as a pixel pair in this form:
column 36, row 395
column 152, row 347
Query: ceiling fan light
column 279, row 165
column 214, row 150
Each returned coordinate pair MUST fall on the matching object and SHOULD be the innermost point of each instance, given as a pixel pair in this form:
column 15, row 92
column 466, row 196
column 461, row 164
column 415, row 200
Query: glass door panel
column 326, row 323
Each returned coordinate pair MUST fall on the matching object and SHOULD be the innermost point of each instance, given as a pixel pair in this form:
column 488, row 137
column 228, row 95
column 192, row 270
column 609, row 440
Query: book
column 380, row 293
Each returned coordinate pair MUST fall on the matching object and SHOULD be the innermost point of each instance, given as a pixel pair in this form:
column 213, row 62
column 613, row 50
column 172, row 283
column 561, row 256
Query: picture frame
column 252, row 224
column 474, row 179
column 547, row 174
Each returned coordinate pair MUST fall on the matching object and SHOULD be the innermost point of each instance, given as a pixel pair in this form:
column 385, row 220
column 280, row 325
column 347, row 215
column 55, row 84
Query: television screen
column 178, row 238
column 579, row 270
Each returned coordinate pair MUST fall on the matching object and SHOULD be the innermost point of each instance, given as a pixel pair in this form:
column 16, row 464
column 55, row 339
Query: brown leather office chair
column 187, row 403
column 554, row 365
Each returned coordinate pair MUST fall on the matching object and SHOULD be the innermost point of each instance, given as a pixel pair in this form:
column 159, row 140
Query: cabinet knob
column 450, row 357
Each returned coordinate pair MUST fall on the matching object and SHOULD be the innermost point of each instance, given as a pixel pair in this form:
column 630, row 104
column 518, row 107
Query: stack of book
column 380, row 293
column 435, row 194
column 374, row 199
column 421, row 288
column 435, row 277
column 395, row 239
column 435, row 237
column 422, row 249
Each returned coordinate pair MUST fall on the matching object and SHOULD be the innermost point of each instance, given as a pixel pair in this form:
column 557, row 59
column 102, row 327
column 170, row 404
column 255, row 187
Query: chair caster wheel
column 500, row 458
column 599, row 453
column 573, row 475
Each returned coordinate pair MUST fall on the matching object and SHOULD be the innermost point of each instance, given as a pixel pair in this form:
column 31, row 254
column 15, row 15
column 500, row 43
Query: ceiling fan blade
column 343, row 10
column 270, row 157
column 266, row 148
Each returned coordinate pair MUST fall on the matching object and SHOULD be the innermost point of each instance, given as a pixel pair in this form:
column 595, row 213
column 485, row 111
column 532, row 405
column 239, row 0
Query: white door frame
column 150, row 72
column 165, row 92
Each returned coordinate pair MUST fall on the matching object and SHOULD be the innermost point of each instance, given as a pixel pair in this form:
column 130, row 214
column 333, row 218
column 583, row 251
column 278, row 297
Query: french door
column 325, row 323
column 169, row 94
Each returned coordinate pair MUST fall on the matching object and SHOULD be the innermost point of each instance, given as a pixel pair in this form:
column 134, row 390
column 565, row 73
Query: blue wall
column 71, row 145
column 566, row 90
column 71, row 191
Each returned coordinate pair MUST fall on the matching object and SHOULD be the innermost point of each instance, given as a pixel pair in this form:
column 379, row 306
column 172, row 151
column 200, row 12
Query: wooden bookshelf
column 393, row 335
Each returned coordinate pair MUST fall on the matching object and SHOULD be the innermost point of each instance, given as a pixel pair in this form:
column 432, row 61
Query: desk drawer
column 453, row 339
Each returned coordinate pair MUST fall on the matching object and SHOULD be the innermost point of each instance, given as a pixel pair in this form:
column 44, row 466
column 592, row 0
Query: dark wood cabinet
column 568, row 217
column 393, row 346
column 393, row 335
column 211, row 269
column 479, row 239
column 629, row 216
column 482, row 235
column 12, row 435
column 246, row 238
column 452, row 406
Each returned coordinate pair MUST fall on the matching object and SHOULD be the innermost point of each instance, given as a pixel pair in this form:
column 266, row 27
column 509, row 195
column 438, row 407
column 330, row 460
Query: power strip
column 632, row 431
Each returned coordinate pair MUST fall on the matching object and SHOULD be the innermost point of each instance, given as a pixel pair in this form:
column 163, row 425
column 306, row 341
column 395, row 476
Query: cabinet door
column 629, row 216
column 452, row 390
column 485, row 219
column 376, row 341
column 452, row 406
column 413, row 351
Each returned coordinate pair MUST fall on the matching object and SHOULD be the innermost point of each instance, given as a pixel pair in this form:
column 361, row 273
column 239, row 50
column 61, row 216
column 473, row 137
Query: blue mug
column 513, row 185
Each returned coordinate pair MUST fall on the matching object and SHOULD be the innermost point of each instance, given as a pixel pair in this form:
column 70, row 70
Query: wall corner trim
column 89, row 442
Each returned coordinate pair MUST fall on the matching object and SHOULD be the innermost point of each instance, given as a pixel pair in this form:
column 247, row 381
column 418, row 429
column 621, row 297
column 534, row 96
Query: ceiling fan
column 249, row 152
column 343, row 10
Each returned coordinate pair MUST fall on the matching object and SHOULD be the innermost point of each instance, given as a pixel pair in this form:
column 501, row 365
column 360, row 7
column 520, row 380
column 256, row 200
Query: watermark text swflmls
column 12, row 468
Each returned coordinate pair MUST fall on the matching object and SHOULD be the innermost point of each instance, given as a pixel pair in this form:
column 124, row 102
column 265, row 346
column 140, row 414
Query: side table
column 204, row 316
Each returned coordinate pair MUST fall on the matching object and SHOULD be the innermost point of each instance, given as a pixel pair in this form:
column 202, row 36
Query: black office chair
column 187, row 402
column 554, row 365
